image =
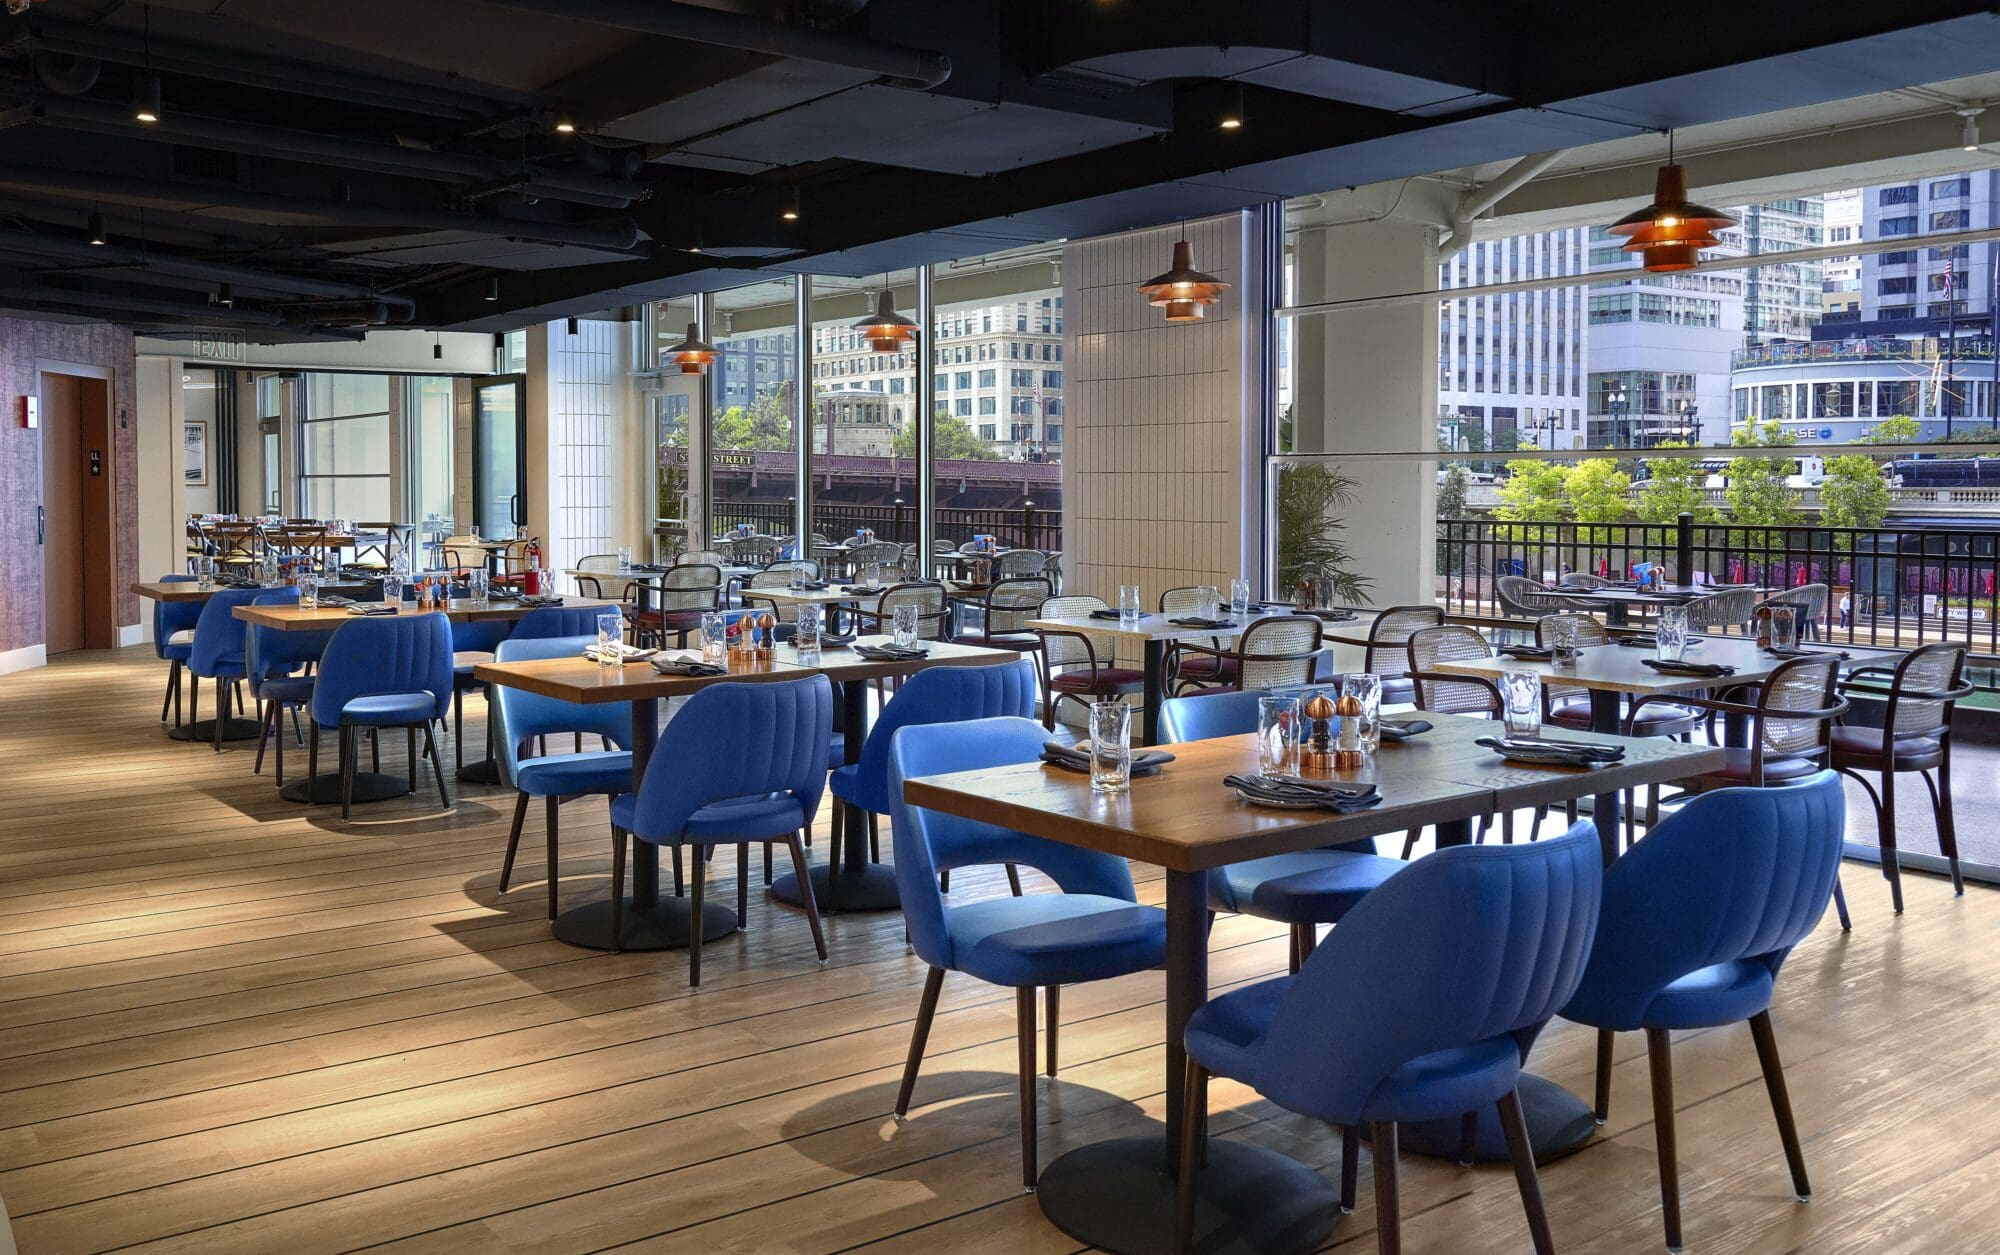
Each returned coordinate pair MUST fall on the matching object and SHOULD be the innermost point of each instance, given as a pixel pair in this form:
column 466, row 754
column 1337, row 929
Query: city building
column 1840, row 277
column 1510, row 367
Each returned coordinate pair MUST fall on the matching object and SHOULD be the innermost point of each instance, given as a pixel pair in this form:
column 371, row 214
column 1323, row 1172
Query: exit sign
column 221, row 346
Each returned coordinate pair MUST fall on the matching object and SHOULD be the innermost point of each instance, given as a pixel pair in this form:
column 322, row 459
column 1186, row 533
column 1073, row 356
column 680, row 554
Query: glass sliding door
column 500, row 477
column 863, row 405
column 754, row 463
column 346, row 457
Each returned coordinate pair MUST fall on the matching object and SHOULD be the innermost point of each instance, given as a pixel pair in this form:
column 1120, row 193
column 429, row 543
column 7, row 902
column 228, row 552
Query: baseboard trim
column 12, row 660
column 134, row 634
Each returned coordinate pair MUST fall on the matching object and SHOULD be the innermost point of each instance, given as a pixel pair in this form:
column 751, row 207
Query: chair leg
column 1947, row 828
column 1840, row 905
column 1522, row 1152
column 618, row 890
column 1013, row 878
column 1350, row 1166
column 1308, row 938
column 698, row 883
column 1885, row 815
column 458, row 727
column 1660, row 1057
column 1024, row 1034
column 552, row 826
column 375, row 756
column 767, row 862
column 1468, row 1137
column 437, row 765
column 410, row 755
column 1388, row 1211
column 1535, row 830
column 278, row 736
column 312, row 762
column 802, row 868
column 221, row 710
column 1410, row 842
column 920, row 1035
column 1781, row 1102
column 194, row 698
column 267, row 721
column 173, row 683
column 874, row 837
column 743, row 880
column 1051, row 1002
column 349, row 751
column 680, row 874
column 513, row 840
column 1194, row 1099
column 1605, row 1039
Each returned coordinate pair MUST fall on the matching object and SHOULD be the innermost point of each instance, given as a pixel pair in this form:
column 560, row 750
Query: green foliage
column 1310, row 497
column 1853, row 494
column 766, row 423
column 1899, row 429
column 1451, row 505
column 1599, row 492
column 1974, row 435
column 1535, row 492
column 954, row 438
column 1759, row 500
column 1676, row 485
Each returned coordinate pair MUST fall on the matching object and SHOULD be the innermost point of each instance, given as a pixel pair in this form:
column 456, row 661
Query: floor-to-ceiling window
column 346, row 454
column 754, row 467
column 863, row 403
column 427, row 436
column 675, row 400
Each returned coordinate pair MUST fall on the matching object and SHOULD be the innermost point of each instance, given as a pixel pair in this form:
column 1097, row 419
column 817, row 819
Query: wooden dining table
column 1120, row 1194
column 847, row 882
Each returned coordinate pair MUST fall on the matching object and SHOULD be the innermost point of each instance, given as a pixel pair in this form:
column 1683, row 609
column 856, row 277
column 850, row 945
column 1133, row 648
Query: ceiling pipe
column 286, row 144
column 903, row 66
column 1478, row 200
column 89, row 301
column 33, row 244
column 204, row 199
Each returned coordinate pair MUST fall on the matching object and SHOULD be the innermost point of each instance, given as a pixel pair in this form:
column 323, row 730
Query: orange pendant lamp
column 886, row 330
column 1670, row 233
column 693, row 354
column 1183, row 290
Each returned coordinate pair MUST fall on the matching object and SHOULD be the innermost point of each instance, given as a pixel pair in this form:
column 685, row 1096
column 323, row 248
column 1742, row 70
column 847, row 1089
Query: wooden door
column 62, row 513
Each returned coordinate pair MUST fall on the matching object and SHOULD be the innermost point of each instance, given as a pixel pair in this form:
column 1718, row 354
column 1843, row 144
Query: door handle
column 514, row 509
column 41, row 525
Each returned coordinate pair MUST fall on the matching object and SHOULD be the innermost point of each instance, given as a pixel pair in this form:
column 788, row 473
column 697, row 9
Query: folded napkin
column 1105, row 614
column 1331, row 616
column 541, row 599
column 624, row 652
column 335, row 599
column 1299, row 793
column 687, row 664
column 646, row 566
column 858, row 588
column 1404, row 729
column 1528, row 653
column 1794, row 652
column 1198, row 622
column 811, row 586
column 373, row 608
column 1554, row 753
column 889, row 653
column 1145, row 762
column 1712, row 670
column 836, row 640
column 1646, row 640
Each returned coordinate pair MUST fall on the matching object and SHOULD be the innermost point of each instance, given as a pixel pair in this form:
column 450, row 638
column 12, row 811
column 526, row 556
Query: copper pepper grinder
column 1317, row 756
column 1349, row 755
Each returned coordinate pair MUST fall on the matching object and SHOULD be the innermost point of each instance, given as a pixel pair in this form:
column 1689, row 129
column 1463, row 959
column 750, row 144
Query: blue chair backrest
column 219, row 634
column 1462, row 946
column 735, row 740
column 1209, row 715
column 558, row 621
column 519, row 714
column 403, row 653
column 928, row 840
column 947, row 694
column 1735, row 874
column 170, row 617
column 269, row 653
column 482, row 635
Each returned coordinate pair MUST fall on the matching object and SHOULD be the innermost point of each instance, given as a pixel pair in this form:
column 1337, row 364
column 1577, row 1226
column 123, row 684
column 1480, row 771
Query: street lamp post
column 1616, row 398
column 1689, row 412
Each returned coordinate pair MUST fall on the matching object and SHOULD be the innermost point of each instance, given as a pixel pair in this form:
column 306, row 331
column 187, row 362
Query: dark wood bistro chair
column 1008, row 605
column 1458, row 695
column 1269, row 654
column 1388, row 636
column 1079, row 665
column 1923, row 689
column 683, row 595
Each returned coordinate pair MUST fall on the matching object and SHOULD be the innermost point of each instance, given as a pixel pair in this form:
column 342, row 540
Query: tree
column 1599, row 492
column 952, row 440
column 1853, row 494
column 1899, row 429
column 765, row 424
column 1309, row 528
column 1974, row 435
column 1676, row 485
column 1451, row 493
column 1759, row 499
column 1535, row 492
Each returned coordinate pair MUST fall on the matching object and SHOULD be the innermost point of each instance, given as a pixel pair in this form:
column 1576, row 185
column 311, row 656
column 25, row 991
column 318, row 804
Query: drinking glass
column 1366, row 688
column 1110, row 747
column 392, row 587
column 1521, row 695
column 624, row 557
column 308, row 591
column 1278, row 736
column 1562, row 640
column 871, row 576
column 204, row 572
column 1671, row 637
column 906, row 627
column 1239, row 596
column 476, row 587
column 1207, row 602
column 1784, row 628
column 798, row 579
column 472, row 533
column 1129, row 608
column 806, row 634
column 714, row 637
column 610, row 638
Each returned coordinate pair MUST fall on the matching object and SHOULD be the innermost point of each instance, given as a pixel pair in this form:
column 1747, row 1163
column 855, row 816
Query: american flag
column 1950, row 278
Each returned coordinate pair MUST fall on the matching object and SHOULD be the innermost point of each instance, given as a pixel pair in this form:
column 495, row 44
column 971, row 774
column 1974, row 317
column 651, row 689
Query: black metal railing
column 1015, row 527
column 1889, row 586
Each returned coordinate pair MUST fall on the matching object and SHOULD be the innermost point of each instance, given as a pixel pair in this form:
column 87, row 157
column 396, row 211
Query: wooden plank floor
column 232, row 1024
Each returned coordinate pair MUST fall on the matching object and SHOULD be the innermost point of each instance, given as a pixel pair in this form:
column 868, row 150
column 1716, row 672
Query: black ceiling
column 323, row 167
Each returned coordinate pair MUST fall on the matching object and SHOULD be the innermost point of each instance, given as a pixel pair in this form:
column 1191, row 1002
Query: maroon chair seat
column 1659, row 720
column 1103, row 681
column 1208, row 669
column 1862, row 748
column 1735, row 768
column 1026, row 642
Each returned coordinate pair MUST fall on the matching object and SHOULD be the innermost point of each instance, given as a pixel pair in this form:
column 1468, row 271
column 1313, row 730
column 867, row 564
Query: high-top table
column 1120, row 1194
column 656, row 923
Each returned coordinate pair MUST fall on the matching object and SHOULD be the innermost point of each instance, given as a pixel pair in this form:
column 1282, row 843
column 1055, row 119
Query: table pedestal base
column 1118, row 1196
column 204, row 730
column 324, row 789
column 1558, row 1123
column 869, row 887
column 485, row 771
column 658, row 925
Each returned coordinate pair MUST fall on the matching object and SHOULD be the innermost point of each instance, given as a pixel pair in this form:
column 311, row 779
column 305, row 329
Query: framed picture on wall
column 194, row 452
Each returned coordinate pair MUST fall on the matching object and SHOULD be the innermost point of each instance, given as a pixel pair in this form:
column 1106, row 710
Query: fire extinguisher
column 531, row 583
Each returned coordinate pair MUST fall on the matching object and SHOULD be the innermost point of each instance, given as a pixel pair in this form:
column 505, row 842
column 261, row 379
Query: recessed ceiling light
column 146, row 98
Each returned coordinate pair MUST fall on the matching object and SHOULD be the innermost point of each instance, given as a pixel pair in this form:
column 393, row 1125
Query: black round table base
column 1117, row 1195
column 659, row 925
column 204, row 730
column 324, row 789
column 1558, row 1123
column 869, row 887
column 485, row 771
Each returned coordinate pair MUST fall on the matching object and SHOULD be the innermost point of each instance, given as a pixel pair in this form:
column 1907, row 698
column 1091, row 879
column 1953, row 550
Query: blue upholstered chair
column 389, row 672
column 217, row 653
column 275, row 662
column 739, row 763
column 520, row 717
column 1698, row 919
column 1393, row 1021
column 472, row 642
column 172, row 620
column 1302, row 890
column 939, row 695
column 1092, row 929
column 549, row 621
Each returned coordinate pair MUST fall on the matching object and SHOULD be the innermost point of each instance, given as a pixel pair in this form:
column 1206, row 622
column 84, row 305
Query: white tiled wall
column 1153, row 468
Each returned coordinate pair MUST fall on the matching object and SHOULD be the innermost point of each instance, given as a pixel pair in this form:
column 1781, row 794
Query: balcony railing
column 1016, row 527
column 1860, row 349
